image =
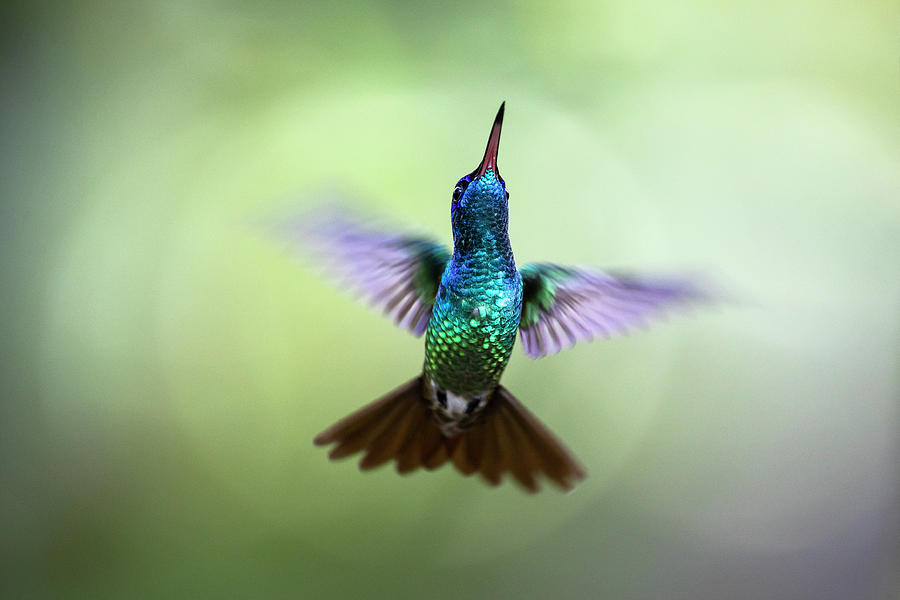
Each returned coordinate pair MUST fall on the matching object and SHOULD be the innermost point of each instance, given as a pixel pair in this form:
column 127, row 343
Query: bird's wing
column 395, row 272
column 565, row 305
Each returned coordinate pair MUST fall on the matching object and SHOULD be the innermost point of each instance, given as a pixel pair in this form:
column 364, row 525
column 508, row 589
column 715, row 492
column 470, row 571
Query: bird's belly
column 467, row 345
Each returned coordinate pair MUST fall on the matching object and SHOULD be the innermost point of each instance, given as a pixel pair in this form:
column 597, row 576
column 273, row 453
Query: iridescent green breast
column 474, row 323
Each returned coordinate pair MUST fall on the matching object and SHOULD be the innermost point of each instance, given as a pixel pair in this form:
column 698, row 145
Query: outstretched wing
column 565, row 305
column 395, row 272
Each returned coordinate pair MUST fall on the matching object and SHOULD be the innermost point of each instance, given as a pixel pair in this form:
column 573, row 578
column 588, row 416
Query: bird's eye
column 507, row 195
column 458, row 192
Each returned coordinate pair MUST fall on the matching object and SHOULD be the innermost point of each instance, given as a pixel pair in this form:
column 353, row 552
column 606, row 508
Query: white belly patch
column 455, row 413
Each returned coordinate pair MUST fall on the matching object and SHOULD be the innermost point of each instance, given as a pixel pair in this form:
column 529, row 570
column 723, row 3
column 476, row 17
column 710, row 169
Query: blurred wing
column 395, row 272
column 564, row 305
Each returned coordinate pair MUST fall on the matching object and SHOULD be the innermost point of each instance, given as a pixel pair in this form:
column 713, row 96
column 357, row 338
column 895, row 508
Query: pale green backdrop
column 166, row 363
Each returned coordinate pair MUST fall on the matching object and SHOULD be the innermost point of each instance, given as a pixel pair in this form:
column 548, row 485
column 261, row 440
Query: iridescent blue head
column 479, row 210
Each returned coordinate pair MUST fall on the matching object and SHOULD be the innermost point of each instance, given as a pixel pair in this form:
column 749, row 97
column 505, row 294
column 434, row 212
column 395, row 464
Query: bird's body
column 476, row 311
column 470, row 305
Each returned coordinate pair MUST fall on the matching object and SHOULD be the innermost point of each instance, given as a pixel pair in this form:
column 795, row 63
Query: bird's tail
column 508, row 438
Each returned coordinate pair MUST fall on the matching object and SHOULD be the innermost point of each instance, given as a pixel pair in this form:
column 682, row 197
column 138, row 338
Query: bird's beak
column 493, row 146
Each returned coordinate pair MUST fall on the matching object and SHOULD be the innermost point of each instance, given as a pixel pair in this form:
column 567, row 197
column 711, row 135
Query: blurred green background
column 166, row 364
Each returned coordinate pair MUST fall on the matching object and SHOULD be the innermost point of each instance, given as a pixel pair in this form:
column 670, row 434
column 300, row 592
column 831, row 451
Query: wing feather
column 397, row 273
column 563, row 306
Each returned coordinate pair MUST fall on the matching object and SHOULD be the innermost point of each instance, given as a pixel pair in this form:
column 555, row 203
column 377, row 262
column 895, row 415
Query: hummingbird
column 471, row 304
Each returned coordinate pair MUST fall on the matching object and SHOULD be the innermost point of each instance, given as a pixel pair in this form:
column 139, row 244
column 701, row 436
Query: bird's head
column 479, row 205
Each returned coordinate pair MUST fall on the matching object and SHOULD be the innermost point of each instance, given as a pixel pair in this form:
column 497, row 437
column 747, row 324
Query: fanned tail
column 396, row 426
column 508, row 439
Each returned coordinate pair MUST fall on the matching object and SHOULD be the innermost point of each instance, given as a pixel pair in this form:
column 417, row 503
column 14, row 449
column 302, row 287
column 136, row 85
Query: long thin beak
column 493, row 146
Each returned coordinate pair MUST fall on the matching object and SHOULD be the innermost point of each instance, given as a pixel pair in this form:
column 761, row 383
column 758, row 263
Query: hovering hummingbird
column 470, row 305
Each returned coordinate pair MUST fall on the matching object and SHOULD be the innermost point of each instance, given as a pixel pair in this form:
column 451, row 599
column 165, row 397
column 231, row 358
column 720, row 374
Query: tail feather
column 440, row 455
column 475, row 447
column 508, row 439
column 492, row 454
column 511, row 458
column 410, row 454
column 460, row 455
column 388, row 444
column 554, row 460
column 366, row 433
column 434, row 452
column 362, row 429
column 523, row 461
column 354, row 432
